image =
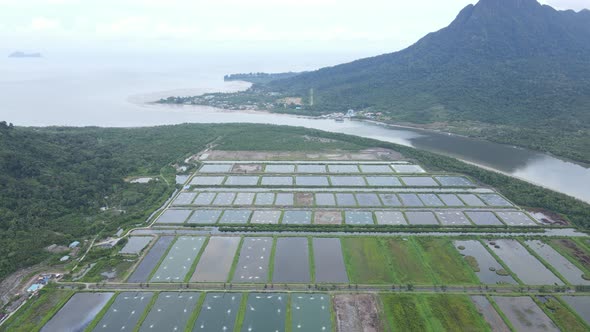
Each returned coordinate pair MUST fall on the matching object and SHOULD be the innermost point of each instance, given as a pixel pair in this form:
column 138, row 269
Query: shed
column 65, row 258
column 74, row 244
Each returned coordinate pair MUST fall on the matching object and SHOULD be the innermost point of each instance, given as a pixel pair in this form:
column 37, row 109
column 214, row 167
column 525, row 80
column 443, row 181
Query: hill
column 512, row 71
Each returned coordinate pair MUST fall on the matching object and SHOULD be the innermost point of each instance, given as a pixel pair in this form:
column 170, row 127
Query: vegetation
column 561, row 315
column 446, row 263
column 431, row 312
column 258, row 77
column 366, row 261
column 407, row 262
column 37, row 311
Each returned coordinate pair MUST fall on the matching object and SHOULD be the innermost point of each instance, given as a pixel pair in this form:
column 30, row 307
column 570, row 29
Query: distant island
column 24, row 55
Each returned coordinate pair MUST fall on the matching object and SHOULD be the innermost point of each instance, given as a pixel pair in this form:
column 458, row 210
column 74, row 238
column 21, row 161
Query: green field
column 446, row 263
column 407, row 263
column 37, row 311
column 366, row 261
column 432, row 312
column 562, row 316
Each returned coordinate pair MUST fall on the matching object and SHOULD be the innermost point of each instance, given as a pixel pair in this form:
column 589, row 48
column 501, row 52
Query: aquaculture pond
column 311, row 312
column 524, row 314
column 179, row 260
column 171, row 311
column 329, row 263
column 218, row 312
column 125, row 312
column 489, row 269
column 78, row 312
column 526, row 267
column 216, row 260
column 151, row 259
column 265, row 312
column 489, row 313
column 566, row 268
column 291, row 261
column 135, row 244
column 253, row 262
column 580, row 304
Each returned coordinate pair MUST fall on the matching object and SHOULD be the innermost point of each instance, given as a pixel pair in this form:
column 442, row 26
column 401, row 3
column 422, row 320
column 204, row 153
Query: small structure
column 34, row 288
column 64, row 258
column 74, row 244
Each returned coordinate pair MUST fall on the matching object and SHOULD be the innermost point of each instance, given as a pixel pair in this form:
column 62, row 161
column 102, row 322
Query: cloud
column 42, row 23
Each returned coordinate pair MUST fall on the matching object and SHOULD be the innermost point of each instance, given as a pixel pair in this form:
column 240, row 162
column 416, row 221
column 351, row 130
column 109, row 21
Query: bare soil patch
column 358, row 312
column 548, row 217
column 304, row 199
column 328, row 218
column 247, row 168
column 579, row 254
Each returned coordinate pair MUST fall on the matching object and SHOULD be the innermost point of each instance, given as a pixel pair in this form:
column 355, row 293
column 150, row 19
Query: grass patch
column 37, row 311
column 117, row 264
column 366, row 261
column 193, row 318
column 241, row 312
column 234, row 264
column 454, row 313
column 407, row 263
column 473, row 263
column 561, row 315
column 147, row 310
column 404, row 312
column 311, row 259
column 445, row 261
column 271, row 259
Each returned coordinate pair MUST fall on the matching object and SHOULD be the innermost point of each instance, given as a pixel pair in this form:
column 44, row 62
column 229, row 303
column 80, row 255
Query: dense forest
column 54, row 181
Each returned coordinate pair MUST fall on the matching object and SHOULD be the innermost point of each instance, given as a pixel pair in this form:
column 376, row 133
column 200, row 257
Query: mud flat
column 485, row 308
column 357, row 312
column 566, row 268
column 151, row 259
column 171, row 311
column 78, row 312
column 265, row 312
column 179, row 260
column 487, row 264
column 291, row 260
column 520, row 261
column 125, row 312
column 216, row 260
column 524, row 314
column 328, row 218
column 253, row 261
column 581, row 304
column 219, row 312
column 329, row 263
column 311, row 312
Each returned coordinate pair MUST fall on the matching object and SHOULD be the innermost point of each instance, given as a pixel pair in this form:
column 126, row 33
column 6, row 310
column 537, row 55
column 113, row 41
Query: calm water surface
column 108, row 90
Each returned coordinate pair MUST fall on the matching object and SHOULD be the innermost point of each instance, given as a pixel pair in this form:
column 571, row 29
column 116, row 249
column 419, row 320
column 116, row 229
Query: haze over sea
column 112, row 90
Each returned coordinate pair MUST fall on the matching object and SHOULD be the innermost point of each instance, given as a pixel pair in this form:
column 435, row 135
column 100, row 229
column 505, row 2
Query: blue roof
column 33, row 287
column 74, row 244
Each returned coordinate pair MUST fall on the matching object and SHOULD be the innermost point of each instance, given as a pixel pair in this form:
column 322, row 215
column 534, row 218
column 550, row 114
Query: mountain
column 24, row 55
column 515, row 63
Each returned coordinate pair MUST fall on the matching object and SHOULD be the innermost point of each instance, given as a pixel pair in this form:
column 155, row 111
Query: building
column 74, row 244
column 65, row 258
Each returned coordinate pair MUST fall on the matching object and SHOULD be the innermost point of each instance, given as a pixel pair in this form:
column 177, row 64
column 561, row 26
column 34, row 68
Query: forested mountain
column 512, row 63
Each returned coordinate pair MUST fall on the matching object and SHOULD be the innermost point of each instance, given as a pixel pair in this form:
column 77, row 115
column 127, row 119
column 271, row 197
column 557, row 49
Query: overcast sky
column 309, row 25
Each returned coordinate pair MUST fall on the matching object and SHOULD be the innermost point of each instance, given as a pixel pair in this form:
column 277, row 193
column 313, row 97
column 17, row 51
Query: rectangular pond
column 305, row 168
column 216, row 168
column 204, row 217
column 563, row 266
column 207, row 180
column 253, row 262
column 494, row 200
column 524, row 314
column 390, row 200
column 348, row 181
column 488, row 266
column 368, row 168
column 291, row 262
column 173, row 216
column 171, row 311
column 345, row 199
column 526, row 267
column 184, row 198
column 323, row 217
column 151, row 259
column 325, row 200
column 179, row 260
column 218, row 313
column 235, row 217
column 135, row 244
column 368, row 200
column 78, row 312
column 511, row 218
column 277, row 181
column 335, row 168
column 452, row 218
column 311, row 181
column 264, row 199
column 408, row 168
column 471, row 200
column 285, row 199
column 204, row 199
column 244, row 199
column 430, row 200
column 270, row 168
column 484, row 218
column 421, row 218
column 328, row 261
column 411, row 200
column 224, row 198
column 383, row 181
column 451, row 200
column 265, row 312
column 216, row 260
column 390, row 218
column 419, row 181
column 266, row 217
column 125, row 312
column 454, row 181
column 296, row 217
column 241, row 180
column 311, row 312
column 358, row 218
column 489, row 313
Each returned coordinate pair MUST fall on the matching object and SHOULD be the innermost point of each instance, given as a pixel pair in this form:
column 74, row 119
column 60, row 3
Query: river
column 114, row 91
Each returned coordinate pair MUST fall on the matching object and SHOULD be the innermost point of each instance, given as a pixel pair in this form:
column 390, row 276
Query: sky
column 198, row 25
